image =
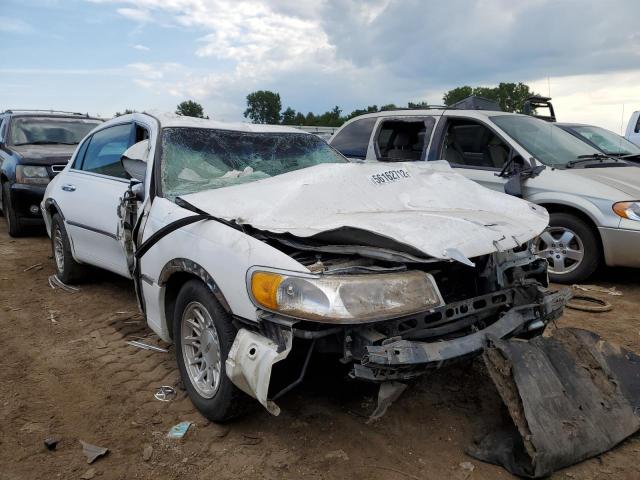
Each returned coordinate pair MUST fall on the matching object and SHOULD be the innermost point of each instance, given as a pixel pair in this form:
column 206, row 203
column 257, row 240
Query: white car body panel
column 333, row 196
column 633, row 128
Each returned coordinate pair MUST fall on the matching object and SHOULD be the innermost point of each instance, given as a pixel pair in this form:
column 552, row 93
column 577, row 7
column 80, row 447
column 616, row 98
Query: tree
column 127, row 111
column 388, row 106
column 189, row 108
column 263, row 106
column 362, row 111
column 418, row 105
column 510, row 96
column 457, row 94
column 289, row 116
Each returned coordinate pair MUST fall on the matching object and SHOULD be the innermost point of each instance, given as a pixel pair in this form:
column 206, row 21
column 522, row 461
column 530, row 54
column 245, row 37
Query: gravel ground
column 66, row 371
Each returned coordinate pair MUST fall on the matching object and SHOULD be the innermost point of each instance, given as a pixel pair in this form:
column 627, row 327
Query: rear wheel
column 13, row 223
column 203, row 335
column 570, row 247
column 67, row 269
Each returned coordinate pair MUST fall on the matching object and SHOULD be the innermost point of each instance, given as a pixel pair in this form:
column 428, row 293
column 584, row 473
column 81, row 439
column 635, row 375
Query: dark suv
column 34, row 146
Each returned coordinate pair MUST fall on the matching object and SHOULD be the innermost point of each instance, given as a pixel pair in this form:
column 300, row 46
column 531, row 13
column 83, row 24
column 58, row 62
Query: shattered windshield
column 50, row 130
column 545, row 141
column 196, row 159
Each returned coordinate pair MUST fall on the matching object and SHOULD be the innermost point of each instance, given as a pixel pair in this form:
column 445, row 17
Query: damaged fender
column 250, row 361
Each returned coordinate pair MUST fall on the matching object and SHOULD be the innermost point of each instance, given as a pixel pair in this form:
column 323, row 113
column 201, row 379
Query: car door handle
column 67, row 187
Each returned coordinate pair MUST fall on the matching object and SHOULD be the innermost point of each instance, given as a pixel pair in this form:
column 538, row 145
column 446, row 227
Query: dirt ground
column 66, row 371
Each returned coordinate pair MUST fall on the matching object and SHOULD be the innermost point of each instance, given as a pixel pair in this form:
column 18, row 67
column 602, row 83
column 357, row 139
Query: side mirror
column 134, row 160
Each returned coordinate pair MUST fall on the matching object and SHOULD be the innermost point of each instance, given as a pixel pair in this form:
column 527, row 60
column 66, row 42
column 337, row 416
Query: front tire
column 570, row 247
column 13, row 222
column 67, row 269
column 203, row 335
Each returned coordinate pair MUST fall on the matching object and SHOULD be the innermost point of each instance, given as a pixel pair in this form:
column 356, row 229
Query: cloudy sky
column 102, row 56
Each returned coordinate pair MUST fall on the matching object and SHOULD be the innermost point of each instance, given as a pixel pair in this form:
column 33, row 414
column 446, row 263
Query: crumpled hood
column 425, row 206
column 625, row 179
column 44, row 154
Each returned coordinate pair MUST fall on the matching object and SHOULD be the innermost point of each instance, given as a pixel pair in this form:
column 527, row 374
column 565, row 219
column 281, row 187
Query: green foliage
column 418, row 105
column 127, row 111
column 289, row 116
column 189, row 108
column 263, row 106
column 510, row 96
column 457, row 94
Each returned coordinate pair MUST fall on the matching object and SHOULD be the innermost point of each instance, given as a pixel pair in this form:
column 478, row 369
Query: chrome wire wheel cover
column 562, row 248
column 58, row 248
column 201, row 349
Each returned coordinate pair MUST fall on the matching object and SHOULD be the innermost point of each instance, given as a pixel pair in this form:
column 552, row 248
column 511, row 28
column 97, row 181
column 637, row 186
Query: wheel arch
column 176, row 273
column 576, row 212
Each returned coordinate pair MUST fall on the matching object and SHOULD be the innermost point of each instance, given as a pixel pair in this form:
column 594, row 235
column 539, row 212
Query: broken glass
column 197, row 159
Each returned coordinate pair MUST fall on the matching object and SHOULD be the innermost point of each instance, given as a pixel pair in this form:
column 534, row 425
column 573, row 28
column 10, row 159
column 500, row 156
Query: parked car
column 247, row 241
column 34, row 146
column 604, row 140
column 593, row 199
column 633, row 128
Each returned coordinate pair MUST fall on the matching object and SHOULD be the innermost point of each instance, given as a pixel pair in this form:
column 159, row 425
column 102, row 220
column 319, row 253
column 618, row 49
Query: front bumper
column 402, row 359
column 23, row 197
column 621, row 247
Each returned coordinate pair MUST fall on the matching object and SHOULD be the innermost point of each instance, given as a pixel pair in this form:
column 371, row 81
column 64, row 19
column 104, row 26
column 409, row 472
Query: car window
column 403, row 140
column 470, row 143
column 547, row 142
column 77, row 162
column 32, row 130
column 105, row 150
column 196, row 159
column 606, row 140
column 3, row 125
column 353, row 140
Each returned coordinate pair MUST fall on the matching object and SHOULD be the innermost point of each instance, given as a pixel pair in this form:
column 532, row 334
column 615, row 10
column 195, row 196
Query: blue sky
column 102, row 56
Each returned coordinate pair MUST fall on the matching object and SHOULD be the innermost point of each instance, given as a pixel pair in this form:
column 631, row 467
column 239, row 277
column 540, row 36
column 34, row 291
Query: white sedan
column 246, row 241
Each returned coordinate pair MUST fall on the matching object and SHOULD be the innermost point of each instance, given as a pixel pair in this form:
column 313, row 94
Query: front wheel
column 203, row 335
column 13, row 222
column 570, row 247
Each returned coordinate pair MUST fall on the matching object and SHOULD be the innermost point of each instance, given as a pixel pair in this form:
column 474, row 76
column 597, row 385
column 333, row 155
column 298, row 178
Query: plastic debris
column 595, row 288
column 146, row 346
column 51, row 443
column 37, row 266
column 179, row 430
column 93, row 452
column 55, row 282
column 165, row 393
column 389, row 392
column 147, row 452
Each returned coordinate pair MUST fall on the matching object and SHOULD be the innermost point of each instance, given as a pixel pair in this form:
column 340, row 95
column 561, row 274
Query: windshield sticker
column 389, row 176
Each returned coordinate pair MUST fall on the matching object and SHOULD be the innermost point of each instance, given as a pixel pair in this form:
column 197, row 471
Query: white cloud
column 320, row 53
column 137, row 14
column 142, row 48
column 594, row 99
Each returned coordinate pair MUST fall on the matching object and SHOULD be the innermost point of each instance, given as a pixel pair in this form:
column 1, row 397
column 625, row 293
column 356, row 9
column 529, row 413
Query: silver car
column 593, row 199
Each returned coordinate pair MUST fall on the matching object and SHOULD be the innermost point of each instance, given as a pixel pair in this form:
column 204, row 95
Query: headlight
column 32, row 174
column 629, row 210
column 345, row 298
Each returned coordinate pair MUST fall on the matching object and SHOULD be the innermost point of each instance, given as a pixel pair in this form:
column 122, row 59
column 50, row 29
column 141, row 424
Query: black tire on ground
column 228, row 401
column 590, row 260
column 13, row 222
column 67, row 269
